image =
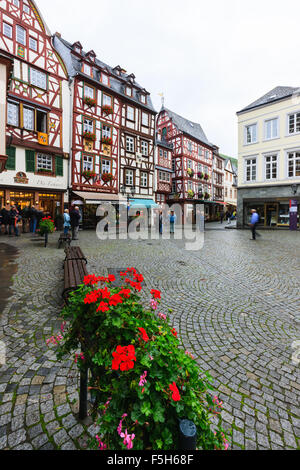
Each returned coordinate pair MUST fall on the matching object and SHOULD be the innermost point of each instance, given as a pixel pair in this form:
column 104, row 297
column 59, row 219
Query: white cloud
column 209, row 58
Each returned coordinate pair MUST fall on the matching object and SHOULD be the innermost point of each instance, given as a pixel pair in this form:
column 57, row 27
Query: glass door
column 271, row 215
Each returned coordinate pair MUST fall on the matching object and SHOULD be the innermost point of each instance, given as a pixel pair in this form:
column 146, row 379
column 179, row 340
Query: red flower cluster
column 123, row 358
column 138, row 278
column 174, row 332
column 92, row 279
column 156, row 294
column 48, row 218
column 144, row 335
column 176, row 395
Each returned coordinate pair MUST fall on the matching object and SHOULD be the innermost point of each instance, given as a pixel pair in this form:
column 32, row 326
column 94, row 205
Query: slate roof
column 278, row 93
column 191, row 128
column 117, row 83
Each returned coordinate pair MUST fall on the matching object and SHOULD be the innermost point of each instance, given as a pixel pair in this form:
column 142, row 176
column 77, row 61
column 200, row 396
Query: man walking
column 5, row 219
column 254, row 222
column 75, row 221
column 172, row 222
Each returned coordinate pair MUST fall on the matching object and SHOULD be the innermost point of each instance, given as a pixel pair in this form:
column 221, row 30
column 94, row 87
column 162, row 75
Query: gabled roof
column 191, row 128
column 278, row 93
column 118, row 82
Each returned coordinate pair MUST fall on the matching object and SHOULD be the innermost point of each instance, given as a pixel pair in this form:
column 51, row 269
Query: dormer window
column 78, row 50
column 128, row 91
column 143, row 99
column 104, row 79
column 87, row 69
column 77, row 47
column 91, row 56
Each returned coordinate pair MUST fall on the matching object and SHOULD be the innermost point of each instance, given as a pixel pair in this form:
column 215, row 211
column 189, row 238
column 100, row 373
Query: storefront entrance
column 21, row 199
column 2, row 200
column 271, row 215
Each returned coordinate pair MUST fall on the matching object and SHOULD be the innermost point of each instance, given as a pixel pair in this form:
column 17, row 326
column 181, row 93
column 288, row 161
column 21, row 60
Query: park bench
column 64, row 240
column 74, row 270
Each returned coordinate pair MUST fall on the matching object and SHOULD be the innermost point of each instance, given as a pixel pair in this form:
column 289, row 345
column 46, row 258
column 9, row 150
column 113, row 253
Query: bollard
column 46, row 240
column 83, row 402
column 187, row 435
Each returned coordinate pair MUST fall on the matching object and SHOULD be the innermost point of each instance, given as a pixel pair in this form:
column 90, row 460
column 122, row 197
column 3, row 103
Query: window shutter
column 30, row 161
column 59, row 166
column 11, row 160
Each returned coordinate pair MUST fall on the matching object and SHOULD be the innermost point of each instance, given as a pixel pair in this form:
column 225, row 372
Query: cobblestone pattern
column 235, row 303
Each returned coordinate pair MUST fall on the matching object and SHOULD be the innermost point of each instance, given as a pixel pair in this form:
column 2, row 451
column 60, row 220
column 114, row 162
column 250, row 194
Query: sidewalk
column 219, row 226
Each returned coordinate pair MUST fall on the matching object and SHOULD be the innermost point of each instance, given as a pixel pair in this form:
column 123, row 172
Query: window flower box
column 206, row 177
column 88, row 174
column 107, row 109
column 206, row 196
column 89, row 101
column 89, row 136
column 191, row 194
column 45, row 170
column 190, row 172
column 107, row 177
column 106, row 140
column 200, row 175
column 200, row 196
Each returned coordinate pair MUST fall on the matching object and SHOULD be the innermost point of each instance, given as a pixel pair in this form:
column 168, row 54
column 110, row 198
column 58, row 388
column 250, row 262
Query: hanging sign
column 293, row 214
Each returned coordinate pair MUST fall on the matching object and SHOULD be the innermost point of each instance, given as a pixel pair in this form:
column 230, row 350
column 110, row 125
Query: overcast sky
column 210, row 58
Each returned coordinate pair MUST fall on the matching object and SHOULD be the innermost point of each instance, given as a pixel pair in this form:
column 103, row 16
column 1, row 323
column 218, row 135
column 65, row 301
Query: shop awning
column 149, row 203
column 97, row 198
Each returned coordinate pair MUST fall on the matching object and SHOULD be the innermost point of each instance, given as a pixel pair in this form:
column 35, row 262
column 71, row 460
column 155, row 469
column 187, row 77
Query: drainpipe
column 70, row 168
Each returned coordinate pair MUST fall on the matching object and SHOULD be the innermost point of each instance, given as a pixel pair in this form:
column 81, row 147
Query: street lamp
column 294, row 189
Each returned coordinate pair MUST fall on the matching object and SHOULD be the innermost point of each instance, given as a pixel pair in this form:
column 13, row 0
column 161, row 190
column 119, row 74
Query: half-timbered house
column 192, row 159
column 163, row 171
column 112, row 132
column 37, row 131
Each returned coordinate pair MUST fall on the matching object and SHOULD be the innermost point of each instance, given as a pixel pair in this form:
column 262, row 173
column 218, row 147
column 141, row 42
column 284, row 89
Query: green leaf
column 158, row 413
column 159, row 443
column 146, row 408
column 167, row 437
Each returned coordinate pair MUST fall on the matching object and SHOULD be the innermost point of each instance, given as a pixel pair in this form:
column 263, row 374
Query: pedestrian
column 172, row 222
column 160, row 222
column 33, row 218
column 25, row 216
column 222, row 216
column 229, row 218
column 67, row 222
column 14, row 218
column 75, row 217
column 5, row 219
column 253, row 223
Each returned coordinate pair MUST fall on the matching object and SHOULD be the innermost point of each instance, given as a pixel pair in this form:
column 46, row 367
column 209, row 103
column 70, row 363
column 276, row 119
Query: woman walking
column 67, row 222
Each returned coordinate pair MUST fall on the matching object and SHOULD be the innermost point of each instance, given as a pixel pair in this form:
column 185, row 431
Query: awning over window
column 97, row 198
column 149, row 203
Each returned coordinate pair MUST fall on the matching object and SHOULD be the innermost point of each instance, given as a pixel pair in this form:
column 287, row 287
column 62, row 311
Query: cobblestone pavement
column 235, row 303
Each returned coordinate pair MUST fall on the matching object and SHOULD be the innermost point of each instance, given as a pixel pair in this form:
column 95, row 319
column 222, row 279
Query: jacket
column 67, row 220
column 254, row 218
column 75, row 218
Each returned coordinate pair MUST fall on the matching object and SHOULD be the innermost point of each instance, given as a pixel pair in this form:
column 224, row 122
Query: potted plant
column 191, row 194
column 89, row 136
column 107, row 109
column 90, row 101
column 106, row 140
column 206, row 196
column 107, row 177
column 142, row 380
column 190, row 172
column 46, row 226
column 200, row 175
column 176, row 196
column 206, row 177
column 200, row 195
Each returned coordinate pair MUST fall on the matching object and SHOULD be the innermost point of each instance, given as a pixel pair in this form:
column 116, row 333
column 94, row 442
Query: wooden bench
column 74, row 253
column 64, row 240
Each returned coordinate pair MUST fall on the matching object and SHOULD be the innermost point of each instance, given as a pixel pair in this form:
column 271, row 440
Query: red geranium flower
column 156, row 294
column 139, row 277
column 111, row 278
column 92, row 297
column 176, row 395
column 126, row 293
column 174, row 332
column 90, row 280
column 115, row 300
column 123, row 358
column 144, row 335
column 103, row 307
column 105, row 293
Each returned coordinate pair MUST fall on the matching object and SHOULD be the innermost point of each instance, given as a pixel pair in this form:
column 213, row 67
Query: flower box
column 106, row 140
column 107, row 177
column 190, row 172
column 200, row 196
column 89, row 174
column 191, row 194
column 107, row 109
column 206, row 196
column 200, row 175
column 90, row 101
column 89, row 136
column 206, row 176
column 44, row 170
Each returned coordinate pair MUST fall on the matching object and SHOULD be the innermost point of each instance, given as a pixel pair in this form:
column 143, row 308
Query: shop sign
column 21, row 178
column 293, row 214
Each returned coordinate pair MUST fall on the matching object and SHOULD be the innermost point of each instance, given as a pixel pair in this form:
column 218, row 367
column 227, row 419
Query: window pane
column 21, row 35
column 44, row 162
column 130, row 113
column 13, row 114
column 106, row 131
column 107, row 101
column 28, row 119
column 292, row 124
column 88, row 91
column 38, row 79
column 7, row 30
column 33, row 44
